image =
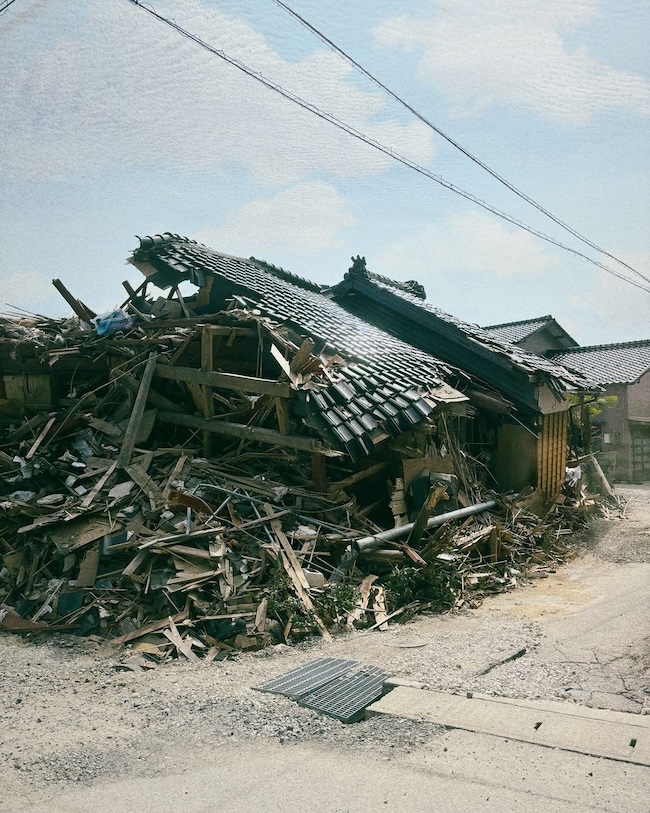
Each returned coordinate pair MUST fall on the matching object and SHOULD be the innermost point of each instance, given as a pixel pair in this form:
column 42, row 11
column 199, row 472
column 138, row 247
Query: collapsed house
column 520, row 399
column 210, row 472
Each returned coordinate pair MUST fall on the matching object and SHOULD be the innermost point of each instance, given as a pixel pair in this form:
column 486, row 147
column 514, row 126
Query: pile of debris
column 147, row 497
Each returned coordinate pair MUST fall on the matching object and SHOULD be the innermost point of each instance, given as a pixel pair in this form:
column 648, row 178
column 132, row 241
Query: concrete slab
column 614, row 735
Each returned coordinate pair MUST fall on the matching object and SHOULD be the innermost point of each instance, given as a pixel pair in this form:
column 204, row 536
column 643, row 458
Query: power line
column 449, row 139
column 377, row 145
column 6, row 6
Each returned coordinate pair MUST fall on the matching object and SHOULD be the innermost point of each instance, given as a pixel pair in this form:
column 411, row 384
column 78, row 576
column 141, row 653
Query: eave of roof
column 470, row 347
column 515, row 332
column 621, row 363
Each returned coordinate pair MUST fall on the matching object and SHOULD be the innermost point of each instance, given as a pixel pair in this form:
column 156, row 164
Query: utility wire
column 448, row 138
column 290, row 96
column 6, row 6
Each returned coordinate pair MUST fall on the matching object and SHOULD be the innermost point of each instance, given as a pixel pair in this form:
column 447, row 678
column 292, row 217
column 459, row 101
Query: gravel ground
column 68, row 714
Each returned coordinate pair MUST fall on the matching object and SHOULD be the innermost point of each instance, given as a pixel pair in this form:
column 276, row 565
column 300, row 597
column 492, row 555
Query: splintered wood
column 166, row 493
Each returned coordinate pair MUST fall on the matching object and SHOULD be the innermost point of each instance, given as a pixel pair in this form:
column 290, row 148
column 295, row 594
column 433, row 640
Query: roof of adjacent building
column 381, row 384
column 514, row 332
column 602, row 364
column 396, row 308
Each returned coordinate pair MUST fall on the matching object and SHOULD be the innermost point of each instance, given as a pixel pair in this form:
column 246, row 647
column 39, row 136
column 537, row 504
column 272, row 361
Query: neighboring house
column 522, row 410
column 535, row 335
column 623, row 370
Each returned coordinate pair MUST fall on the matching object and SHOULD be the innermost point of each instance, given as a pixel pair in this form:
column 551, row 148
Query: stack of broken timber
column 121, row 515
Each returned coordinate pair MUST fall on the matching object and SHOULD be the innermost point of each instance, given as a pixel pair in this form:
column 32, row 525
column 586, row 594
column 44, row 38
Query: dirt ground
column 68, row 715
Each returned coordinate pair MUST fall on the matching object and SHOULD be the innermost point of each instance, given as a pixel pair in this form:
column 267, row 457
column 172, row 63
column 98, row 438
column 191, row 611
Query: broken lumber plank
column 135, row 563
column 88, row 568
column 177, row 472
column 282, row 414
column 172, row 539
column 254, row 433
column 99, row 485
column 128, row 444
column 154, row 626
column 295, row 572
column 227, row 381
column 290, row 553
column 39, row 440
column 260, row 615
column 181, row 646
column 302, row 357
column 7, row 462
column 358, row 477
column 379, row 603
column 141, row 478
column 153, row 397
column 78, row 307
column 438, row 492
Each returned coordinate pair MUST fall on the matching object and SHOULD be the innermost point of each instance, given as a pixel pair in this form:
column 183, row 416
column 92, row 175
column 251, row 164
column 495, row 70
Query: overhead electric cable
column 323, row 38
column 6, row 6
column 290, row 96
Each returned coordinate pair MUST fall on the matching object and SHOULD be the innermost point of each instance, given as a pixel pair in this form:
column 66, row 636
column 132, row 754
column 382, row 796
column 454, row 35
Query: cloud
column 111, row 87
column 613, row 308
column 25, row 289
column 468, row 242
column 299, row 220
column 484, row 52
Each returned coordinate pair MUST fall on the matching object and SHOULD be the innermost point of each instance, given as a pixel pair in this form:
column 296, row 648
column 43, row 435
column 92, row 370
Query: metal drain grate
column 347, row 696
column 299, row 682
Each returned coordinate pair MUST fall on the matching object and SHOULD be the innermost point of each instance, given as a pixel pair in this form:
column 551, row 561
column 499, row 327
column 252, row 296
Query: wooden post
column 128, row 444
column 207, row 365
column 319, row 471
column 282, row 413
column 438, row 492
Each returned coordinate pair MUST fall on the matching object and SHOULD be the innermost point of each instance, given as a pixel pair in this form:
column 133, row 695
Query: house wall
column 552, row 452
column 638, row 398
column 514, row 466
column 616, row 440
column 539, row 342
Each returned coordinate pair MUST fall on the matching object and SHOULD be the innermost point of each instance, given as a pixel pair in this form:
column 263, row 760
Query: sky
column 113, row 125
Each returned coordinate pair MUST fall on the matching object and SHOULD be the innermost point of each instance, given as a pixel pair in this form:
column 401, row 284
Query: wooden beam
column 207, row 366
column 319, row 471
column 78, row 307
column 254, row 433
column 358, row 477
column 437, row 493
column 153, row 397
column 282, row 413
column 128, row 444
column 227, row 381
column 295, row 573
column 302, row 357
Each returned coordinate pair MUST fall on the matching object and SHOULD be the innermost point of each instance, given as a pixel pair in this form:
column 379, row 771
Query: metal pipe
column 368, row 543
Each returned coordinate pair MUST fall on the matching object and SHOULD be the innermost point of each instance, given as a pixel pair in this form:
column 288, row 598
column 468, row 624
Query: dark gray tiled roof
column 522, row 359
column 602, row 364
column 514, row 332
column 384, row 386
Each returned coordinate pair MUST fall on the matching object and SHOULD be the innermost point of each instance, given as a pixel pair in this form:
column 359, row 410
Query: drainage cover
column 299, row 682
column 346, row 697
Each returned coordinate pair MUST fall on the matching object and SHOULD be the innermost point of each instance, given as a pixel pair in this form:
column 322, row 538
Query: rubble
column 160, row 487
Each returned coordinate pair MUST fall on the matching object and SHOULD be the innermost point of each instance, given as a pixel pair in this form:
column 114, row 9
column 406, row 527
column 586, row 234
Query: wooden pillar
column 207, row 365
column 319, row 471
